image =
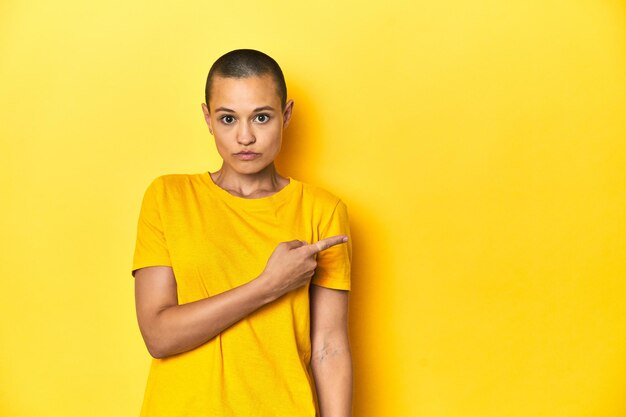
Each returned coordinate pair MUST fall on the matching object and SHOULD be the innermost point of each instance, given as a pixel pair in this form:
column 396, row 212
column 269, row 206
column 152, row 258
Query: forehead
column 246, row 92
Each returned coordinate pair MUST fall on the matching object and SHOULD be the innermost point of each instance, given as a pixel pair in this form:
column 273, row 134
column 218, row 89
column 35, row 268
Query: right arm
column 169, row 328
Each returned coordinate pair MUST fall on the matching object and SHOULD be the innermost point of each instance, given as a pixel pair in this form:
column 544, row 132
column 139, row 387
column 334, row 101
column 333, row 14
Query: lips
column 247, row 155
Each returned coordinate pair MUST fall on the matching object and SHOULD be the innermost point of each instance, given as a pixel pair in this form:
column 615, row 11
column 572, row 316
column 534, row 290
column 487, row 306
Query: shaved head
column 242, row 63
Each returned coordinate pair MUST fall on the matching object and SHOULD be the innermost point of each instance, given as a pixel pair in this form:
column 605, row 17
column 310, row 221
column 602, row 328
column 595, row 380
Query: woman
column 224, row 263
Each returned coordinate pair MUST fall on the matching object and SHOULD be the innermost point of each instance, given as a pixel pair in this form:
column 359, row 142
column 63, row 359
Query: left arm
column 331, row 360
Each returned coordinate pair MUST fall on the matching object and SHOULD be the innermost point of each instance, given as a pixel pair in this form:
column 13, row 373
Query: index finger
column 324, row 244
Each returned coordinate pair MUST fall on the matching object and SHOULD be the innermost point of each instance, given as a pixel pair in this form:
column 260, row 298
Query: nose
column 245, row 135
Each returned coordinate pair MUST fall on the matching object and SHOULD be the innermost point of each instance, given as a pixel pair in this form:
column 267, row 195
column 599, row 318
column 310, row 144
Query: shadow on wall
column 299, row 150
column 364, row 327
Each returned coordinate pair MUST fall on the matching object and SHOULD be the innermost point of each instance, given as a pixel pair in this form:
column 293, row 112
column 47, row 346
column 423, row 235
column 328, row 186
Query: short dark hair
column 242, row 63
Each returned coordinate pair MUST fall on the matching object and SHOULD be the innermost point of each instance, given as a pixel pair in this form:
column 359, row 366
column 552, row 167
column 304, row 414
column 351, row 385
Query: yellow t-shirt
column 215, row 241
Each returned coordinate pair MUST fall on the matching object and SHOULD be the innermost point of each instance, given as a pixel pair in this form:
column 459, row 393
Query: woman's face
column 247, row 121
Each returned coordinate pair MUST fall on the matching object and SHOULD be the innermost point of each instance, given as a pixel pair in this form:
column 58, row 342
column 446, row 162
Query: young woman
column 242, row 275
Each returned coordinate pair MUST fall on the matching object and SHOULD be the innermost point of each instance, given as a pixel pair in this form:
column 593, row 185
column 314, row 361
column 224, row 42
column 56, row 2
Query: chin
column 248, row 168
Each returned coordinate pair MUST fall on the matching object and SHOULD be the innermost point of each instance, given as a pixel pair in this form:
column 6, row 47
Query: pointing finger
column 324, row 244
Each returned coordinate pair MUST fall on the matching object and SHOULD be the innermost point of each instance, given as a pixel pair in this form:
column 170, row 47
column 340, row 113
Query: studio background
column 479, row 146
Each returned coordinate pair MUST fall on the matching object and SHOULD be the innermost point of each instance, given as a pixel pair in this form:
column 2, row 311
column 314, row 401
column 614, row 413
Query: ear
column 287, row 113
column 207, row 117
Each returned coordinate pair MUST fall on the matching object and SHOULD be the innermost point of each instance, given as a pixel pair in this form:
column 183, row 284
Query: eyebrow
column 264, row 108
column 225, row 109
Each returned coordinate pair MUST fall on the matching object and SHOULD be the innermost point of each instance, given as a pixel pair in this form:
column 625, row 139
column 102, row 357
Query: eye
column 262, row 118
column 227, row 119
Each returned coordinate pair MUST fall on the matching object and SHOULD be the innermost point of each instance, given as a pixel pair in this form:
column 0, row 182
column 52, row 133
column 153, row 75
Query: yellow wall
column 480, row 147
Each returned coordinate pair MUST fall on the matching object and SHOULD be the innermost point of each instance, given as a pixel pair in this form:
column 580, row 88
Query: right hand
column 293, row 263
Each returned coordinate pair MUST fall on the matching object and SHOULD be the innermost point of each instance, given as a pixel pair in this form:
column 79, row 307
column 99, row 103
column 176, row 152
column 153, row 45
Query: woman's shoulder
column 172, row 183
column 175, row 178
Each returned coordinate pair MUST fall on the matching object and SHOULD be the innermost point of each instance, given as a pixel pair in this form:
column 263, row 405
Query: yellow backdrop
column 479, row 145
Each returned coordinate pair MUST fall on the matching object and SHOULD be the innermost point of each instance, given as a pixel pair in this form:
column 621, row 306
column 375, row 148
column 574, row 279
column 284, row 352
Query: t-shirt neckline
column 260, row 202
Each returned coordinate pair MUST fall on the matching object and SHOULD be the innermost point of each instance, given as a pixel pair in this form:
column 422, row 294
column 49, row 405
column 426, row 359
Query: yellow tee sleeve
column 151, row 246
column 334, row 264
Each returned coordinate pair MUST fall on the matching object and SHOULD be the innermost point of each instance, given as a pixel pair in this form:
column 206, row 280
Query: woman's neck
column 260, row 184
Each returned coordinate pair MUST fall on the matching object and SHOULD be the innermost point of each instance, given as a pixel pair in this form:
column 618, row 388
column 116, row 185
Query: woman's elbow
column 156, row 351
column 154, row 339
column 154, row 347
